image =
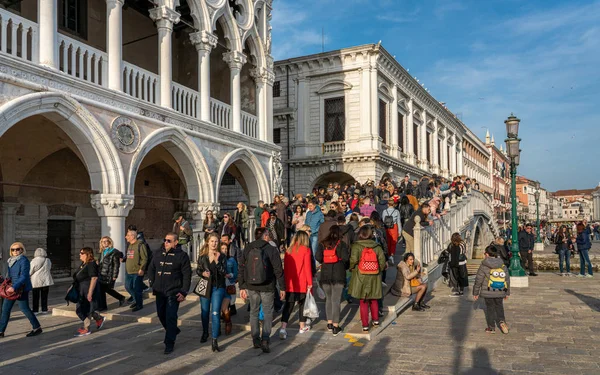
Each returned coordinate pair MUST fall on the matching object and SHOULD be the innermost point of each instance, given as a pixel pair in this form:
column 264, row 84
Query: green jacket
column 136, row 257
column 258, row 211
column 365, row 286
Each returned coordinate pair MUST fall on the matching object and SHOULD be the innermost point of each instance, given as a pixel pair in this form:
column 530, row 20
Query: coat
column 482, row 279
column 19, row 274
column 325, row 227
column 583, row 241
column 170, row 272
column 334, row 273
column 297, row 269
column 314, row 219
column 401, row 285
column 365, row 286
column 39, row 270
column 109, row 265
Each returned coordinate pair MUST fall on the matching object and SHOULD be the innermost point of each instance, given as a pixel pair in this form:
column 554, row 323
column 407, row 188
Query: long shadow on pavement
column 592, row 302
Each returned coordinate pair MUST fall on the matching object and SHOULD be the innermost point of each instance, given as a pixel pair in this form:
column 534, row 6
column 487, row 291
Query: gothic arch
column 318, row 173
column 200, row 15
column 100, row 156
column 256, row 47
column 195, row 170
column 230, row 27
column 252, row 171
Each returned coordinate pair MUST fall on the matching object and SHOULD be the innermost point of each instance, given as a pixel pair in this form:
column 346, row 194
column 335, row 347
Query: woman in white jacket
column 41, row 279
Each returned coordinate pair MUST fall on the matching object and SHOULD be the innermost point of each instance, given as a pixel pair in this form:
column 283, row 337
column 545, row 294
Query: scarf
column 107, row 251
column 272, row 229
column 13, row 260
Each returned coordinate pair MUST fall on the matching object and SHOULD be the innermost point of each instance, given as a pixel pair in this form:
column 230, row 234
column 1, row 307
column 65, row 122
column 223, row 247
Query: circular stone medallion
column 125, row 134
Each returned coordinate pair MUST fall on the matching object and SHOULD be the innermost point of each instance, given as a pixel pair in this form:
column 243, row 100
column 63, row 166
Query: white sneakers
column 282, row 334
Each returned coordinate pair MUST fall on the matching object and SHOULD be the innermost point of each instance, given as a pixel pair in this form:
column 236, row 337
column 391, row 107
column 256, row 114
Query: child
column 493, row 284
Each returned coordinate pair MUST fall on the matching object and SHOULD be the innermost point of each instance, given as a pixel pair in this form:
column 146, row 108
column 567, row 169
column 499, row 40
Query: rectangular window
column 72, row 17
column 277, row 89
column 416, row 139
column 448, row 159
column 277, row 135
column 335, row 119
column 440, row 153
column 401, row 131
column 383, row 120
column 428, row 148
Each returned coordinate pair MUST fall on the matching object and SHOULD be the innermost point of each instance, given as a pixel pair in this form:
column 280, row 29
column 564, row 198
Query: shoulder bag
column 7, row 283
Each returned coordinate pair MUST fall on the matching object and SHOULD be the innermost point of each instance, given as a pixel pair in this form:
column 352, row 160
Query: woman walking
column 109, row 264
column 210, row 224
column 583, row 248
column 298, row 280
column 333, row 255
column 18, row 272
column 41, row 279
column 212, row 265
column 298, row 218
column 459, row 277
column 230, row 292
column 240, row 218
column 366, row 263
column 86, row 280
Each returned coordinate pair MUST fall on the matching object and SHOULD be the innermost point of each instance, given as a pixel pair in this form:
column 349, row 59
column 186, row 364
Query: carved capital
column 260, row 75
column 164, row 17
column 235, row 59
column 113, row 3
column 199, row 210
column 112, row 204
column 203, row 40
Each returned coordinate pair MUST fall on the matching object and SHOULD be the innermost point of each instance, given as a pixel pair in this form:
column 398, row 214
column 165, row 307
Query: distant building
column 499, row 169
column 577, row 204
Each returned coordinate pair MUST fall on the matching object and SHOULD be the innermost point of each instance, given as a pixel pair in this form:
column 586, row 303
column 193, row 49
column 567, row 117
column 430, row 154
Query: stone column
column 410, row 131
column 445, row 164
column 7, row 235
column 260, row 79
column 269, row 99
column 394, row 122
column 113, row 210
column 204, row 42
column 236, row 61
column 596, row 205
column 114, row 43
column 165, row 18
column 460, row 161
column 302, row 123
column 435, row 160
column 423, row 143
column 48, row 29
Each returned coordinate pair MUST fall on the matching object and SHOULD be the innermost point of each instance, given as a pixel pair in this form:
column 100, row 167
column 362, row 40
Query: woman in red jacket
column 297, row 268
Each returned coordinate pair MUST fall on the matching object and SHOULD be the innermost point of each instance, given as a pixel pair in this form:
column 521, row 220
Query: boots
column 232, row 310
column 423, row 305
column 416, row 307
column 215, row 346
column 227, row 318
column 204, row 337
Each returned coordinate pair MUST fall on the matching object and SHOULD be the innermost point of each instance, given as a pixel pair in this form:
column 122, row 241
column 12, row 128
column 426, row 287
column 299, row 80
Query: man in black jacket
column 261, row 293
column 526, row 242
column 408, row 230
column 170, row 275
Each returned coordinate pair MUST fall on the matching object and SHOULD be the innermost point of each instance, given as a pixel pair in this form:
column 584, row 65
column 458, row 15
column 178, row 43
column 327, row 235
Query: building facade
column 527, row 209
column 499, row 168
column 357, row 114
column 577, row 204
column 122, row 112
column 477, row 161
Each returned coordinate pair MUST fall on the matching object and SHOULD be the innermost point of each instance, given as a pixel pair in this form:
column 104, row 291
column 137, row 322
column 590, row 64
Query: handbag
column 203, row 288
column 414, row 282
column 230, row 290
column 72, row 293
column 7, row 283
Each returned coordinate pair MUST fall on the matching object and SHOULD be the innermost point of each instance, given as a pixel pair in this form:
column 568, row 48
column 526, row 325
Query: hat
column 356, row 191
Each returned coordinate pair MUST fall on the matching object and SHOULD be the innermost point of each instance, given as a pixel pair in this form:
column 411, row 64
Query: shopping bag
column 310, row 307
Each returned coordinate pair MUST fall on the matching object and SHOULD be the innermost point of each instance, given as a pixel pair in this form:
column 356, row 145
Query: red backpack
column 368, row 263
column 330, row 255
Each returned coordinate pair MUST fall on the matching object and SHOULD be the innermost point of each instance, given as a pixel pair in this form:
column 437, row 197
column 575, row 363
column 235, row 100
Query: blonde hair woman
column 86, row 278
column 18, row 272
column 298, row 280
column 212, row 265
column 109, row 265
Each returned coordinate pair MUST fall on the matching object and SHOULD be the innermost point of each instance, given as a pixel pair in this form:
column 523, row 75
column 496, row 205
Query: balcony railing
column 18, row 36
column 249, row 125
column 82, row 61
column 220, row 113
column 334, row 147
column 140, row 83
column 184, row 100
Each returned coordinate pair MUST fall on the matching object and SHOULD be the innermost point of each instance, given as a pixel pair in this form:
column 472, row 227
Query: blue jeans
column 7, row 306
column 584, row 258
column 212, row 305
column 564, row 255
column 134, row 284
column 314, row 243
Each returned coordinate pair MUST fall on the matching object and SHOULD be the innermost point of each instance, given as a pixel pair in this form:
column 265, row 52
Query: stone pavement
column 554, row 330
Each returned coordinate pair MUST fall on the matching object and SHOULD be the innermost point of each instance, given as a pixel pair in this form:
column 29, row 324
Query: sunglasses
column 167, row 240
column 81, row 253
column 17, row 249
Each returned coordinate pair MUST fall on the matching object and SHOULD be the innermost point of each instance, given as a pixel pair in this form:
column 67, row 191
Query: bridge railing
column 431, row 240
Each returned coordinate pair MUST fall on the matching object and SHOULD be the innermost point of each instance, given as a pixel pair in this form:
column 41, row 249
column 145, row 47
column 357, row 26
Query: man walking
column 314, row 219
column 408, row 231
column 260, row 269
column 526, row 241
column 393, row 228
column 137, row 257
column 170, row 275
column 184, row 232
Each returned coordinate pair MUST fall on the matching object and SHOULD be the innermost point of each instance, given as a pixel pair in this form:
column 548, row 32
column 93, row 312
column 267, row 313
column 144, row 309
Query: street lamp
column 538, row 241
column 513, row 151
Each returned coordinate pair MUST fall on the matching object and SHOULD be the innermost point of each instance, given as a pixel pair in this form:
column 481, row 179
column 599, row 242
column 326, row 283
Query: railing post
column 417, row 239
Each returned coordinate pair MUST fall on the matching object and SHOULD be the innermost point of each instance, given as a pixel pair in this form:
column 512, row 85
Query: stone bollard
column 417, row 238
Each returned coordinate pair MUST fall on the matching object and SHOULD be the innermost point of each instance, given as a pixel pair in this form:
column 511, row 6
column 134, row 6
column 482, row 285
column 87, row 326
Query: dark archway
column 340, row 177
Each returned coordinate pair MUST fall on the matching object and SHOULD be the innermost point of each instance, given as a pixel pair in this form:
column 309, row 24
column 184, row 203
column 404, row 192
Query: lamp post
column 517, row 273
column 539, row 246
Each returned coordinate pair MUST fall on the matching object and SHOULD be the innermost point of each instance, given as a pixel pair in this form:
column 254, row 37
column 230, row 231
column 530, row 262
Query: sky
column 539, row 59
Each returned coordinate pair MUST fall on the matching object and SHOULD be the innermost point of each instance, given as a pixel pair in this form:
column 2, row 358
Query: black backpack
column 388, row 221
column 258, row 268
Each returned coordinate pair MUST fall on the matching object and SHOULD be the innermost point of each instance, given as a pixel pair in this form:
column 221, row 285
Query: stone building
column 477, row 161
column 527, row 209
column 577, row 204
column 499, row 167
column 357, row 114
column 118, row 112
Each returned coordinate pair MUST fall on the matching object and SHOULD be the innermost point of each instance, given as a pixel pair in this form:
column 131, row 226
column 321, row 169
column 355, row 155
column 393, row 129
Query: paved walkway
column 554, row 330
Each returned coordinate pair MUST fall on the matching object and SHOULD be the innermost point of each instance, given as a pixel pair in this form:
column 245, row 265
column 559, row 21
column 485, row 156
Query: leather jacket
column 217, row 270
column 109, row 266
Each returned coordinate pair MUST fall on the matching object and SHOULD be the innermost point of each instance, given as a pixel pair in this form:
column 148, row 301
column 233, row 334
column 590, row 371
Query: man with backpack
column 182, row 228
column 393, row 227
column 260, row 271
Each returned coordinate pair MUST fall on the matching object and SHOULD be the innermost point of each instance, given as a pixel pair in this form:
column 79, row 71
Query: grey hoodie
column 492, row 279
